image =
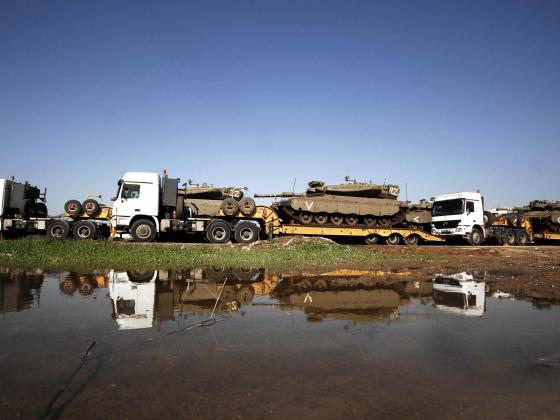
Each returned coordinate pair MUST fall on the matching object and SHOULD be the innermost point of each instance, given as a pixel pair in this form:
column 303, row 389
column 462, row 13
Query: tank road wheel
column 90, row 207
column 398, row 218
column 73, row 208
column 218, row 232
column 370, row 221
column 247, row 206
column 371, row 239
column 351, row 220
column 384, row 222
column 143, row 231
column 337, row 219
column 59, row 229
column 230, row 207
column 84, row 229
column 245, row 232
column 509, row 238
column 411, row 240
column 475, row 238
column 321, row 218
column 306, row 218
column 393, row 239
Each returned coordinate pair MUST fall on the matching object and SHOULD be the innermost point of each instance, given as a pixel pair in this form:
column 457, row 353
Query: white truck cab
column 459, row 294
column 459, row 215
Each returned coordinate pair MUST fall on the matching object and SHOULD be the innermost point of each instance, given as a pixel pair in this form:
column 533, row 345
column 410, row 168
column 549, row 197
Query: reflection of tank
column 544, row 215
column 459, row 294
column 207, row 200
column 19, row 290
column 350, row 204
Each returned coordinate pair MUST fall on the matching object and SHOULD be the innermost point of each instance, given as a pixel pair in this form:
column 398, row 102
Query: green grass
column 55, row 255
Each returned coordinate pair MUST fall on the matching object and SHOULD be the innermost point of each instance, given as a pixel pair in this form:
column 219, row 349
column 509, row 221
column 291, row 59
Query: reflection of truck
column 459, row 294
column 462, row 215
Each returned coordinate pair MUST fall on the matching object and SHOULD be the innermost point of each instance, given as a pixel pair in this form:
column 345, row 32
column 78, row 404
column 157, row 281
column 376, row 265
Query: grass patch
column 56, row 255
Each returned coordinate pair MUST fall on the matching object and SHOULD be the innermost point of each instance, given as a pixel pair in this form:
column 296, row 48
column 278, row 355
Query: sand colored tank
column 207, row 200
column 544, row 214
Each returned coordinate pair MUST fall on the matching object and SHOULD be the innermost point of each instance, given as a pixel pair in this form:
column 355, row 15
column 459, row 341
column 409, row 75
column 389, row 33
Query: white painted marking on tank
column 308, row 205
column 416, row 219
column 308, row 298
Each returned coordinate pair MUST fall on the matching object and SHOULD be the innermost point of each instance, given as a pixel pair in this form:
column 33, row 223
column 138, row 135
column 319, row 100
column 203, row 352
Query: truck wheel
column 488, row 218
column 371, row 239
column 73, row 208
column 247, row 206
column 509, row 237
column 411, row 240
column 59, row 229
column 475, row 237
column 84, row 229
column 522, row 237
column 91, row 207
column 143, row 231
column 40, row 210
column 230, row 207
column 393, row 239
column 218, row 232
column 26, row 208
column 245, row 232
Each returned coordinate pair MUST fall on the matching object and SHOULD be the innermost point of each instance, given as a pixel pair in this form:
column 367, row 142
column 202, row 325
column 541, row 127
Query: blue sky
column 442, row 96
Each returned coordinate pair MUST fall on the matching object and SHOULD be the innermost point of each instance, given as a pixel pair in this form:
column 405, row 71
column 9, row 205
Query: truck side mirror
column 114, row 198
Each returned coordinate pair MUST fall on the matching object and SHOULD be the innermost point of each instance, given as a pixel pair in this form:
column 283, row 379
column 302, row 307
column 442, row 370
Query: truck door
column 127, row 203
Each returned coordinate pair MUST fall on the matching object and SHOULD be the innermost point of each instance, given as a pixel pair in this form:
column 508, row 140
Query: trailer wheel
column 143, row 230
column 73, row 208
column 371, row 239
column 90, row 206
column 218, row 232
column 522, row 237
column 411, row 240
column 58, row 229
column 475, row 237
column 513, row 219
column 245, row 232
column 84, row 229
column 247, row 206
column 393, row 239
column 488, row 218
column 509, row 238
column 230, row 207
column 26, row 208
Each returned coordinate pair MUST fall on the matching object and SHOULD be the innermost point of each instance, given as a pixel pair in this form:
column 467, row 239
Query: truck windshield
column 448, row 207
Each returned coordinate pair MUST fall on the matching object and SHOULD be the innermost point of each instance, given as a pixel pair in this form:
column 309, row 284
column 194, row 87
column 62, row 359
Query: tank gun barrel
column 279, row 195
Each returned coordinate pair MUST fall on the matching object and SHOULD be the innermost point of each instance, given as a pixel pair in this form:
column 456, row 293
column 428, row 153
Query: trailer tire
column 247, row 206
column 218, row 232
column 90, row 207
column 143, row 230
column 513, row 219
column 26, row 208
column 58, row 229
column 522, row 237
column 411, row 240
column 245, row 232
column 393, row 239
column 84, row 230
column 509, row 238
column 230, row 207
column 73, row 208
column 371, row 239
column 475, row 237
column 488, row 218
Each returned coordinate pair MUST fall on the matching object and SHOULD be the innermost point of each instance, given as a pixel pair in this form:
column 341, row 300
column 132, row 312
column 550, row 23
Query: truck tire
column 488, row 218
column 508, row 237
column 218, row 232
column 26, row 208
column 40, row 210
column 513, row 219
column 90, row 207
column 411, row 240
column 143, row 231
column 230, row 207
column 371, row 239
column 73, row 208
column 245, row 232
column 522, row 237
column 476, row 237
column 247, row 206
column 84, row 230
column 58, row 229
column 393, row 239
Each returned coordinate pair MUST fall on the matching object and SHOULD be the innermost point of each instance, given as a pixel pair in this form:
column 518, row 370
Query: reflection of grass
column 47, row 254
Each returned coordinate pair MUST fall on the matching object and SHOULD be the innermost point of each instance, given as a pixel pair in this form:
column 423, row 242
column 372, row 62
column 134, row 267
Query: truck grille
column 447, row 224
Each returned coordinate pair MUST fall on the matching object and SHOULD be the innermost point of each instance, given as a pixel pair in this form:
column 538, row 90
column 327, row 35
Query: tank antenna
column 386, row 174
column 406, row 191
column 294, row 186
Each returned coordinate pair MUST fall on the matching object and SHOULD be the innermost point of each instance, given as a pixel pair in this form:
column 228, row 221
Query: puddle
column 317, row 345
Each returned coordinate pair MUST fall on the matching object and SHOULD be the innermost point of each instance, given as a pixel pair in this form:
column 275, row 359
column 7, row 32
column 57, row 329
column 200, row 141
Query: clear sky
column 442, row 96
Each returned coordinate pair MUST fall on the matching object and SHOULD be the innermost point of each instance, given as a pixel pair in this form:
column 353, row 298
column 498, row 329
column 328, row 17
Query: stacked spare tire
column 74, row 208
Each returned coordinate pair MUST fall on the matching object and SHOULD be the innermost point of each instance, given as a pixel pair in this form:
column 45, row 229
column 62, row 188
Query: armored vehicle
column 544, row 214
column 207, row 200
column 351, row 204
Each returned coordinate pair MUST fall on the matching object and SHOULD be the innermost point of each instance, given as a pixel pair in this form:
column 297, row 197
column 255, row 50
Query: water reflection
column 18, row 290
column 460, row 293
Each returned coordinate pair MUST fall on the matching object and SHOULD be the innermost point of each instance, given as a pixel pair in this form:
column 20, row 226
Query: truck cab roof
column 452, row 196
column 144, row 177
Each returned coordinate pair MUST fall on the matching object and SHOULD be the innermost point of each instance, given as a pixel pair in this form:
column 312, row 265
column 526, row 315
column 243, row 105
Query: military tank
column 207, row 200
column 351, row 204
column 543, row 214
